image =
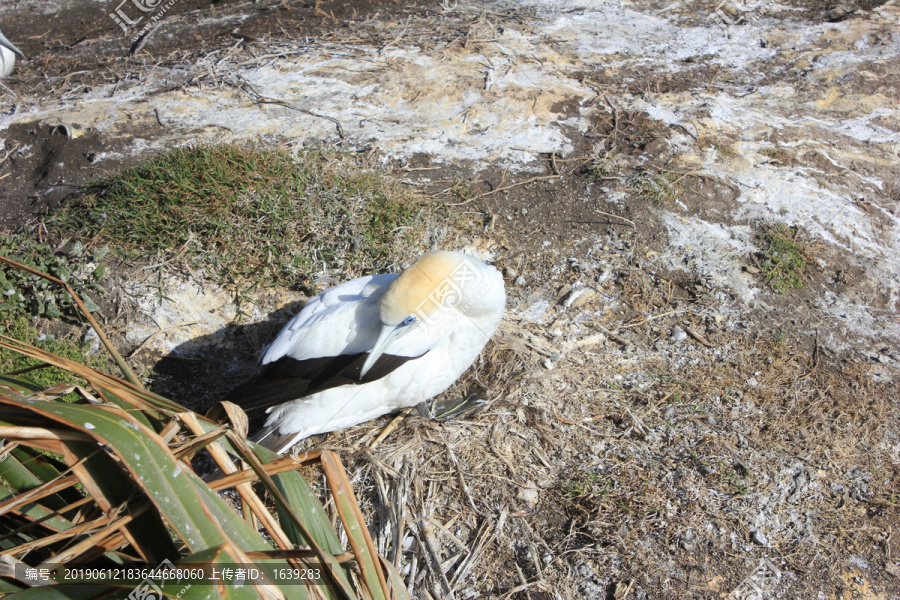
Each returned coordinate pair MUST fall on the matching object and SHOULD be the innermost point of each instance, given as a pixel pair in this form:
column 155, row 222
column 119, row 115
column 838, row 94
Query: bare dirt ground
column 662, row 424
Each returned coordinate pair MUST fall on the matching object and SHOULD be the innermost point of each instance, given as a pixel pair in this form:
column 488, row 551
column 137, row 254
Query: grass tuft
column 24, row 293
column 782, row 258
column 586, row 485
column 657, row 188
column 66, row 345
column 602, row 169
column 252, row 216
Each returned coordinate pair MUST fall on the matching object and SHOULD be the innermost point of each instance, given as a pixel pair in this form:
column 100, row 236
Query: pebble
column 528, row 496
column 91, row 337
column 678, row 335
column 689, row 540
column 759, row 538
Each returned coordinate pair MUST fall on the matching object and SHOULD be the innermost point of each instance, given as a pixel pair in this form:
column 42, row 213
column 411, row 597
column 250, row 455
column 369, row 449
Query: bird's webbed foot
column 443, row 410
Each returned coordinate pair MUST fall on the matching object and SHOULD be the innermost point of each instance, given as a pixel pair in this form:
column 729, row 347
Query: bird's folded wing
column 342, row 320
column 324, row 346
column 289, row 379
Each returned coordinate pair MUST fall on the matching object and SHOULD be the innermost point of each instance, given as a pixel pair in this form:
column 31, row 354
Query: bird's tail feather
column 274, row 441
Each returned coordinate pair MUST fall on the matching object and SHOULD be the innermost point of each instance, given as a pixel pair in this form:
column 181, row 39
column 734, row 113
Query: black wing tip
column 288, row 379
column 276, row 442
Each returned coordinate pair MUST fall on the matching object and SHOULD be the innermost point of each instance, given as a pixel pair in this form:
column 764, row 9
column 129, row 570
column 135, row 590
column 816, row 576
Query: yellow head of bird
column 437, row 281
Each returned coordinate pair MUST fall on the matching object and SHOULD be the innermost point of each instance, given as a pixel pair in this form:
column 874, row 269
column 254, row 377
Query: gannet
column 7, row 56
column 373, row 345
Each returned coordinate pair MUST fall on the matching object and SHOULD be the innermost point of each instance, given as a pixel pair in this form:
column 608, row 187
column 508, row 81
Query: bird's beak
column 385, row 337
column 8, row 44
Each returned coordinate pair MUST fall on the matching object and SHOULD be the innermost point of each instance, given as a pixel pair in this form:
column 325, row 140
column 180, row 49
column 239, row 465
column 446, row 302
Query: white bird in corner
column 373, row 345
column 8, row 53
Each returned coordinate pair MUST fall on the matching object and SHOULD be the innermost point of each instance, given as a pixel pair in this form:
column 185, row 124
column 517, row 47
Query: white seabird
column 8, row 53
column 373, row 345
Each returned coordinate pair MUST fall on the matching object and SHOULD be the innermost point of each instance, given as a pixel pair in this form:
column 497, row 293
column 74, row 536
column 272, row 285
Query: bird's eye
column 409, row 320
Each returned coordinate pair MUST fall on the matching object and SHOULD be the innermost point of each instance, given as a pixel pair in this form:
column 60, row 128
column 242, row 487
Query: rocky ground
column 662, row 422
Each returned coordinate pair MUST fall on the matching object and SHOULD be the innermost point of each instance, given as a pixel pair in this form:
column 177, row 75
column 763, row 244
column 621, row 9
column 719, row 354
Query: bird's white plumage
column 340, row 320
column 8, row 53
column 437, row 317
column 412, row 383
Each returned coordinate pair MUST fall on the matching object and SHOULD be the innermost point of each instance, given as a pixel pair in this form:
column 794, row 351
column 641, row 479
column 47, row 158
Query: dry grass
column 667, row 473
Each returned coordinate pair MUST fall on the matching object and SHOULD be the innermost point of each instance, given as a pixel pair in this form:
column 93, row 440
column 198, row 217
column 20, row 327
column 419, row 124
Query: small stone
column 751, row 270
column 91, row 337
column 520, row 281
column 759, row 538
column 843, row 10
column 528, row 496
column 578, row 297
column 678, row 335
column 689, row 540
column 658, row 148
column 548, row 364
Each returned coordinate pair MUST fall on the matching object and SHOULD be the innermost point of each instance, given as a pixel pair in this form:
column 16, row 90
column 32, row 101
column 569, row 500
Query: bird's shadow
column 200, row 372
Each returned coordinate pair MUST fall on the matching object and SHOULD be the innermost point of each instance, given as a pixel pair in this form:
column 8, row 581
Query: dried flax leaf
column 296, row 490
column 250, row 499
column 354, row 525
column 275, row 465
column 329, row 562
column 37, row 515
column 28, row 511
column 133, row 396
column 174, row 489
column 159, row 486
